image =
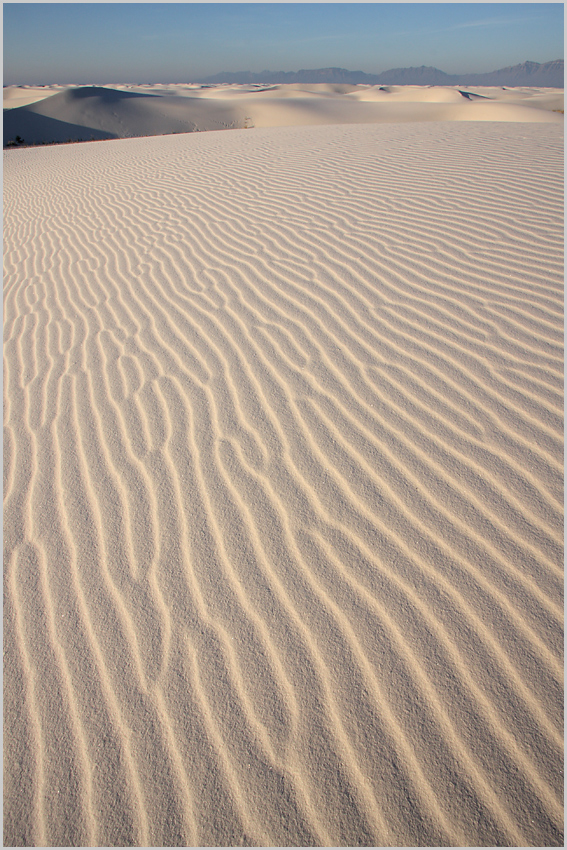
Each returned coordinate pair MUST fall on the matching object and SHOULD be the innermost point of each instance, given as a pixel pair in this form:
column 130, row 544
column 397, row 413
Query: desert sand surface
column 283, row 487
column 84, row 113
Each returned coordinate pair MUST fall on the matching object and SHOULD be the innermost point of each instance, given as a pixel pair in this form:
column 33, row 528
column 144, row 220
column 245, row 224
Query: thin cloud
column 311, row 38
column 487, row 22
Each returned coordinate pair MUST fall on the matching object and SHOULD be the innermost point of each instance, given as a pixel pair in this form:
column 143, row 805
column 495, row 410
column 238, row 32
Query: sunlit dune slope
column 96, row 112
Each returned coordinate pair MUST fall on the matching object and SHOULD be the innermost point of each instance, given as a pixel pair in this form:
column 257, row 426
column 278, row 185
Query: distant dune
column 110, row 112
column 283, row 471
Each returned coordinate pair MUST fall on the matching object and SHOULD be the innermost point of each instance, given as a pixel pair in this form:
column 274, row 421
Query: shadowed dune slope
column 161, row 110
column 35, row 129
column 118, row 114
column 283, row 488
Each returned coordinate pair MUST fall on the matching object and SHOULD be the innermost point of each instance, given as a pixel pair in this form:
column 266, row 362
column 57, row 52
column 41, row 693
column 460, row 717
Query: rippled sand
column 283, row 488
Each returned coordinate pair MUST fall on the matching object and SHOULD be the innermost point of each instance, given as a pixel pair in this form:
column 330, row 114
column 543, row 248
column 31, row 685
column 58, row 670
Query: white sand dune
column 97, row 112
column 15, row 96
column 283, row 488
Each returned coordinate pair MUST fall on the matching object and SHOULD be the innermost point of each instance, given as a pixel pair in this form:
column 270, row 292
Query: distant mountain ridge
column 545, row 75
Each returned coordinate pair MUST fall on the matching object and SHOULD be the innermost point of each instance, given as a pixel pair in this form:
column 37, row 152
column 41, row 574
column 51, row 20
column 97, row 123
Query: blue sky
column 180, row 42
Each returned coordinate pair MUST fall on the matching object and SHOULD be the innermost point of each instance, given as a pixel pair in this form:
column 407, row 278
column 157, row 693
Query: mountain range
column 546, row 75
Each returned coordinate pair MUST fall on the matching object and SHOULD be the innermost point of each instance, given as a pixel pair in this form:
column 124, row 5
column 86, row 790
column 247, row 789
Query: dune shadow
column 37, row 129
column 104, row 94
column 471, row 95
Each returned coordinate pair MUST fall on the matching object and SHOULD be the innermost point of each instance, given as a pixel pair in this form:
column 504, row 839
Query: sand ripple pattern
column 283, row 488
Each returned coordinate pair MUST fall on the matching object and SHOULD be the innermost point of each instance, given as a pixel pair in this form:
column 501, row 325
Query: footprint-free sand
column 283, row 487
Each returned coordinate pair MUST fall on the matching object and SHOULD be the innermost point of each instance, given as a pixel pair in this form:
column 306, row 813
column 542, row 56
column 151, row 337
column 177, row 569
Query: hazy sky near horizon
column 181, row 42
